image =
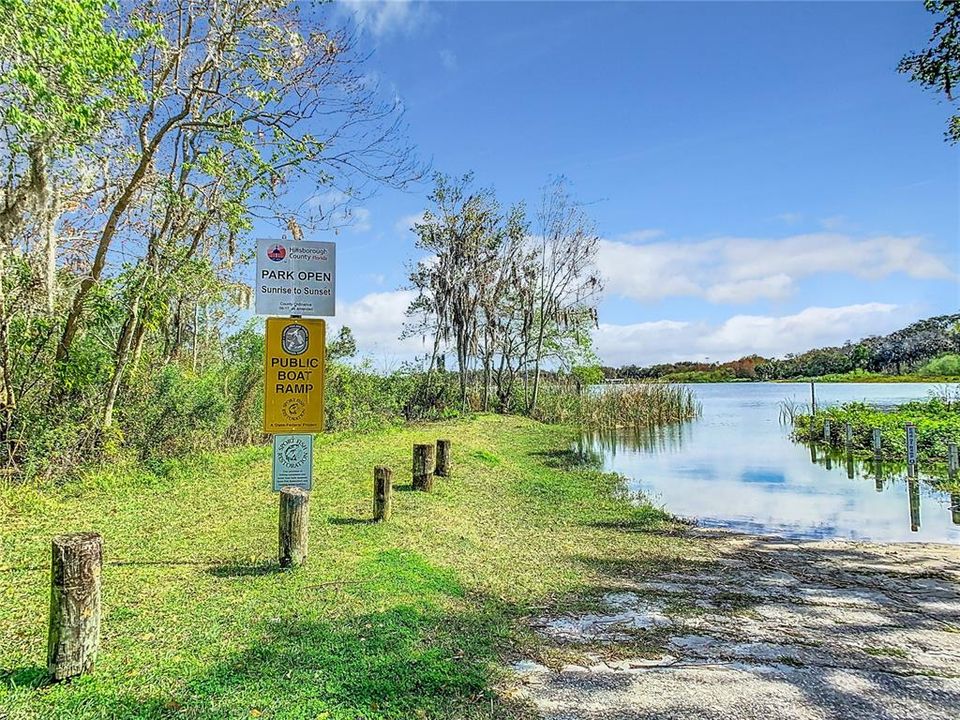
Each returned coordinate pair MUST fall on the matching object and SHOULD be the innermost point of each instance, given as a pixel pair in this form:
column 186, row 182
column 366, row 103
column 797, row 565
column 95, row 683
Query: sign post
column 911, row 450
column 296, row 279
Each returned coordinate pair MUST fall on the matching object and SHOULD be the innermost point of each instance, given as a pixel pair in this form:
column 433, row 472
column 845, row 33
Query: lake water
column 736, row 467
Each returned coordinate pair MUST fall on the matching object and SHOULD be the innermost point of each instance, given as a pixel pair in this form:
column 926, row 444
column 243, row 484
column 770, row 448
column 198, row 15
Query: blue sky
column 762, row 178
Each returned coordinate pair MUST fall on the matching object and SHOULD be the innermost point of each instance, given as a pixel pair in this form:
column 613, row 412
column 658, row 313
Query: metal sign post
column 911, row 450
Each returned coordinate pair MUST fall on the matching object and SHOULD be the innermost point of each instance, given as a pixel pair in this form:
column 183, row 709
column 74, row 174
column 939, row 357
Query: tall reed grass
column 639, row 404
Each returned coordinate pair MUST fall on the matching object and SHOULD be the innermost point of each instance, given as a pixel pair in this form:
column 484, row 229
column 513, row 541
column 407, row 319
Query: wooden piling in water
column 382, row 493
column 826, row 431
column 444, row 465
column 423, row 467
column 876, row 442
column 952, row 460
column 73, row 639
column 294, row 524
column 848, row 436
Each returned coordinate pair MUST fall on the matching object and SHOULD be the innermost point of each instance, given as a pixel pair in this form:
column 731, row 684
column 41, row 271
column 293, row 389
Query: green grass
column 409, row 619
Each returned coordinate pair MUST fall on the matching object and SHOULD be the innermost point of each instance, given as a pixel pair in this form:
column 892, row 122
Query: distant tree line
column 903, row 351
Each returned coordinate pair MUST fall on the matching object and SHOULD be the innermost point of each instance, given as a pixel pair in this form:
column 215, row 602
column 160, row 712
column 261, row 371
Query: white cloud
column 448, row 60
column 386, row 17
column 737, row 270
column 377, row 320
column 772, row 336
column 406, row 223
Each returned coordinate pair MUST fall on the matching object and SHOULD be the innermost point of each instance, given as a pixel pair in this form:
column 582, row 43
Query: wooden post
column 423, row 467
column 813, row 399
column 74, row 635
column 382, row 490
column 952, row 460
column 848, row 436
column 826, row 431
column 876, row 442
column 443, row 458
column 294, row 523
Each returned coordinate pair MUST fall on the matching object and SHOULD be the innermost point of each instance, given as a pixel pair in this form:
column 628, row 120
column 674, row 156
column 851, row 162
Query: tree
column 462, row 235
column 235, row 108
column 568, row 285
column 937, row 67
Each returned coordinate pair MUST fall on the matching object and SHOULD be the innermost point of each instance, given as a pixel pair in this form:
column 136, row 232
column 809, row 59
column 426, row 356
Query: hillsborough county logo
column 277, row 252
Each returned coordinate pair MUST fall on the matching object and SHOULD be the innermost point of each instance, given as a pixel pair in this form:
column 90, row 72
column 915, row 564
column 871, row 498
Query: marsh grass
column 636, row 405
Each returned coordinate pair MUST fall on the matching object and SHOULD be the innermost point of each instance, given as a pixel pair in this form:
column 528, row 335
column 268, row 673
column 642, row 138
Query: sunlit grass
column 408, row 619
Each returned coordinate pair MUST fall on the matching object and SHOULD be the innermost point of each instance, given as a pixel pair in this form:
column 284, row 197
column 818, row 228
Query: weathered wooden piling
column 876, row 442
column 953, row 464
column 423, row 467
column 74, row 634
column 444, row 464
column 813, row 399
column 382, row 493
column 826, row 431
column 848, row 436
column 294, row 524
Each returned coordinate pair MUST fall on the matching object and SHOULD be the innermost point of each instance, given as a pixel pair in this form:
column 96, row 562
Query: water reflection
column 737, row 467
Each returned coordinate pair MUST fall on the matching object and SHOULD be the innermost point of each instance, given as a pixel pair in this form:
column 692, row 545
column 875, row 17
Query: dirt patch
column 774, row 629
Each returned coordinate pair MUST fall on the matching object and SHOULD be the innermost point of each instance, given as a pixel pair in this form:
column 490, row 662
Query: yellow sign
column 293, row 375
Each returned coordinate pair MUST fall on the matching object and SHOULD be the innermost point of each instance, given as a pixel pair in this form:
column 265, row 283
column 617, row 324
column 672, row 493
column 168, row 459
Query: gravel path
column 773, row 629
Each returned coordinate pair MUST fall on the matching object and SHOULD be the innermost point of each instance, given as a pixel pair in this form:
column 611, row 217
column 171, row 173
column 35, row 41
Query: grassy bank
column 408, row 619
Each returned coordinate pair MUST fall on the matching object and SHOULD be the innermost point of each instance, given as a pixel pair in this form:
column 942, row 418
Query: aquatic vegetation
column 639, row 404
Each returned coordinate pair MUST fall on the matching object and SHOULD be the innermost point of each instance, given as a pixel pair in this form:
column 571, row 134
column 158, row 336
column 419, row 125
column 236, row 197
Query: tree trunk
column 123, row 353
column 74, row 635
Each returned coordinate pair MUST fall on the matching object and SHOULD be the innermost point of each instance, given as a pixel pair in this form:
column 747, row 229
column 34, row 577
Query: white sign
column 296, row 278
column 292, row 461
column 911, row 444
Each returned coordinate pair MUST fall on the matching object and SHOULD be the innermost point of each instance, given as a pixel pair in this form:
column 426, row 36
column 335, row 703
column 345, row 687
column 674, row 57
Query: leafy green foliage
column 64, row 69
column 937, row 67
column 937, row 420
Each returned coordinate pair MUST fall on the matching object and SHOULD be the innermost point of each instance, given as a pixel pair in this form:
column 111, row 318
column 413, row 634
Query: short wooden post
column 382, row 493
column 74, row 635
column 423, row 467
column 848, row 436
column 826, row 431
column 443, row 458
column 876, row 442
column 953, row 464
column 294, row 523
column 813, row 398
